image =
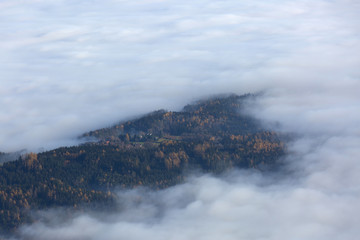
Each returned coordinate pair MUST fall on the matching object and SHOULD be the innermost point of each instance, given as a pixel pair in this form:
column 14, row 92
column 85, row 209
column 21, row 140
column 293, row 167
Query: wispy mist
column 69, row 67
column 241, row 206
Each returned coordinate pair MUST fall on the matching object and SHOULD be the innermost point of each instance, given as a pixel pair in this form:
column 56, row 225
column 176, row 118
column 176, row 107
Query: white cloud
column 113, row 53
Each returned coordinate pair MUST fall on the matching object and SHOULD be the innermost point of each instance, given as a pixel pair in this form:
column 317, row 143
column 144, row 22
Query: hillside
column 155, row 150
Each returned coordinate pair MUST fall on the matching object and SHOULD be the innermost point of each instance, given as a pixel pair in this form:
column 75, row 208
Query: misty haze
column 162, row 119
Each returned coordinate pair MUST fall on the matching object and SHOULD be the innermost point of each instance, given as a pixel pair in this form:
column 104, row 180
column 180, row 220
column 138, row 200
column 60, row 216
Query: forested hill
column 215, row 117
column 155, row 151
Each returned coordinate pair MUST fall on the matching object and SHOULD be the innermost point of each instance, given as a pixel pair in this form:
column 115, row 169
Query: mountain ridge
column 153, row 151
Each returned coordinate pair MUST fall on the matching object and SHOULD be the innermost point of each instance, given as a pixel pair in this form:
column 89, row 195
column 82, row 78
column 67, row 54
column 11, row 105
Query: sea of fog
column 72, row 66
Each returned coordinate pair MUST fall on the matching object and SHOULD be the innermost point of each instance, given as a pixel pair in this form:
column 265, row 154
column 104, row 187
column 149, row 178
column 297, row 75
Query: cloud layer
column 69, row 67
